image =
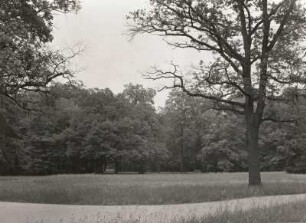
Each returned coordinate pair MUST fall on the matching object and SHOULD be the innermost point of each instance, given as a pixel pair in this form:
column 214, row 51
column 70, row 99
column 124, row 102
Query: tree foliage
column 26, row 62
column 83, row 130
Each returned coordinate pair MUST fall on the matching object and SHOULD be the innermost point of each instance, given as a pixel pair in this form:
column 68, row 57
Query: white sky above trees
column 110, row 59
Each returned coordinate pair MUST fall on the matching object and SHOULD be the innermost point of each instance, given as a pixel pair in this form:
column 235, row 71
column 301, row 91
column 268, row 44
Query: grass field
column 144, row 189
column 294, row 212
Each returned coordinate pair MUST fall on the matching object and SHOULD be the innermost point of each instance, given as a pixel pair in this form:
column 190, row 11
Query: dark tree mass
column 79, row 130
column 244, row 111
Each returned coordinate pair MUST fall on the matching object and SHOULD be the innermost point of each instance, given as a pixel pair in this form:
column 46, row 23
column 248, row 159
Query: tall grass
column 294, row 212
column 144, row 189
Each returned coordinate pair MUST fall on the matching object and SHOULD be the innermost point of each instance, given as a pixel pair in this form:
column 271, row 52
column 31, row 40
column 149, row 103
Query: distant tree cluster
column 201, row 138
column 79, row 130
column 86, row 130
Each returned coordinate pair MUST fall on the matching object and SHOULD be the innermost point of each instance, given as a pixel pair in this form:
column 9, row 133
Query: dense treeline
column 79, row 130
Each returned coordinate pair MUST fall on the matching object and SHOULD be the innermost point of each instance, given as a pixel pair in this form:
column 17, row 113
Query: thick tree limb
column 282, row 25
column 221, row 107
column 159, row 74
column 278, row 120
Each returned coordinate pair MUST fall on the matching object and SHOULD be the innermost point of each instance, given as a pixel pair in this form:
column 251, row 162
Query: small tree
column 256, row 47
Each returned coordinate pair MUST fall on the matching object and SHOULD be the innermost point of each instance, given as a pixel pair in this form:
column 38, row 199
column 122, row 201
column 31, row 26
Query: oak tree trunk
column 182, row 166
column 253, row 155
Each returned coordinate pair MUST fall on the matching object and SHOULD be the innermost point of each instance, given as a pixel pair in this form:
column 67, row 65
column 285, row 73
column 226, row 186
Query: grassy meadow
column 294, row 212
column 124, row 189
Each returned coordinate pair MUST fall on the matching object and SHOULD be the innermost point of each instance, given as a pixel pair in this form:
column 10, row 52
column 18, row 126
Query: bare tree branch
column 159, row 74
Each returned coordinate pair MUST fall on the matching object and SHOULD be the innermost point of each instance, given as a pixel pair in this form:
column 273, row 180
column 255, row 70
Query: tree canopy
column 26, row 61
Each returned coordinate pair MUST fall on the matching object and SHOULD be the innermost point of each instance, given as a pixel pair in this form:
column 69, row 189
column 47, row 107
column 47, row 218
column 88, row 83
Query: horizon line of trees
column 79, row 130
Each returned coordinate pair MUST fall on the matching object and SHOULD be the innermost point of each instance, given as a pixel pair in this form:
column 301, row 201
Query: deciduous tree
column 256, row 48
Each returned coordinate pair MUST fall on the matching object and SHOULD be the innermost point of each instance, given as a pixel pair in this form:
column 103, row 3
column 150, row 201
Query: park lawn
column 124, row 189
column 293, row 212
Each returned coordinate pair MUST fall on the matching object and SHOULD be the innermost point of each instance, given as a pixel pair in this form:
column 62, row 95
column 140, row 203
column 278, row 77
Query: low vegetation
column 291, row 212
column 127, row 189
column 294, row 212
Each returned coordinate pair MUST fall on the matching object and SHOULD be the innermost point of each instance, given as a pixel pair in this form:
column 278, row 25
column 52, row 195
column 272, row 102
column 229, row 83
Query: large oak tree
column 256, row 48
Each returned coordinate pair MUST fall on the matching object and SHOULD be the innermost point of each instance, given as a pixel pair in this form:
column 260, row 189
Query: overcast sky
column 110, row 59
